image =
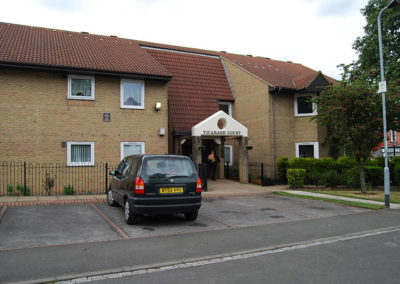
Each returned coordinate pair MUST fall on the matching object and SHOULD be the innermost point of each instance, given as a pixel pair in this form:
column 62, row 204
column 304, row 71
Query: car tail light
column 198, row 185
column 139, row 186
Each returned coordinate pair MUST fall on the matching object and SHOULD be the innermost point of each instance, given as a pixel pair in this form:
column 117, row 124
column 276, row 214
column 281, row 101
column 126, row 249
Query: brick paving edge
column 52, row 202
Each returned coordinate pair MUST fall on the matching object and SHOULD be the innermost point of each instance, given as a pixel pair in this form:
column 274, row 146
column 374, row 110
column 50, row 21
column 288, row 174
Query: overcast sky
column 316, row 33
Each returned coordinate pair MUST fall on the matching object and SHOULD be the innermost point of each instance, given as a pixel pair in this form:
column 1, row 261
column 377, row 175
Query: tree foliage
column 352, row 114
column 367, row 66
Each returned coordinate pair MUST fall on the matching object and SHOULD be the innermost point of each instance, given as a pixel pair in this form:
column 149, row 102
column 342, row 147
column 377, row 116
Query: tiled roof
column 198, row 82
column 276, row 73
column 42, row 47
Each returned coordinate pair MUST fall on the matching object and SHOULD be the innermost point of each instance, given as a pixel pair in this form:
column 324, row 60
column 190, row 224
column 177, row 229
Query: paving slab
column 50, row 225
column 159, row 225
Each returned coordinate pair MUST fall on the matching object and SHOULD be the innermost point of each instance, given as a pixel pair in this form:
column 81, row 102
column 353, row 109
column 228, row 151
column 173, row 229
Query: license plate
column 164, row 190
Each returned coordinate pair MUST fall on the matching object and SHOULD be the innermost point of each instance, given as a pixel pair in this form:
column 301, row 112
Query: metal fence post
column 106, row 176
column 25, row 178
column 262, row 174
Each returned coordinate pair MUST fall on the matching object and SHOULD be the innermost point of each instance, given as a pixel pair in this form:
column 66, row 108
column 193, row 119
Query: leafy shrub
column 345, row 163
column 295, row 177
column 352, row 177
column 395, row 161
column 49, row 183
column 308, row 164
column 374, row 175
column 267, row 181
column 396, row 174
column 379, row 162
column 23, row 191
column 282, row 164
column 329, row 178
column 69, row 190
column 10, row 189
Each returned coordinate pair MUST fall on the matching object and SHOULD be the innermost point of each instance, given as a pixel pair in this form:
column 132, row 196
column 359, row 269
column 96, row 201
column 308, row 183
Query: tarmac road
column 58, row 242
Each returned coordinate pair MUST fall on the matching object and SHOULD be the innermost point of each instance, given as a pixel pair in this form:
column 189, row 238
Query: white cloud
column 314, row 33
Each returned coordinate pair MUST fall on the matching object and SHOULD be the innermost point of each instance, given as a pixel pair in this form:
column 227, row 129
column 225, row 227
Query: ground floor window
column 228, row 154
column 80, row 153
column 307, row 150
column 131, row 148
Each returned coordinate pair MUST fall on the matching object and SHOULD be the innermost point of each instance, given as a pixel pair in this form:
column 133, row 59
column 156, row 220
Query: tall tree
column 353, row 115
column 367, row 65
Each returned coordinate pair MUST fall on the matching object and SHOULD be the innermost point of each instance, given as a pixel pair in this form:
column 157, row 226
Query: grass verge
column 371, row 195
column 346, row 202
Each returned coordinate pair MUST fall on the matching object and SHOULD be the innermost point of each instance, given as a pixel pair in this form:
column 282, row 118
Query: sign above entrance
column 219, row 124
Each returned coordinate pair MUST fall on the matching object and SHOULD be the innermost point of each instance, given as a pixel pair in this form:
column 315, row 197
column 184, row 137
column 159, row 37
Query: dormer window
column 303, row 106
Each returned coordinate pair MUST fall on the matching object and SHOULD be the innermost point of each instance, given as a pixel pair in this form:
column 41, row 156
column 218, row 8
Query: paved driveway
column 33, row 226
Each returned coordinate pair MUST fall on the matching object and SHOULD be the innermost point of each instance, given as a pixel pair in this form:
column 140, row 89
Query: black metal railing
column 263, row 171
column 22, row 178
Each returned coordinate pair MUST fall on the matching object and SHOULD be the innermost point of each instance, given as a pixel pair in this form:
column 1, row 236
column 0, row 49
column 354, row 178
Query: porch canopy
column 221, row 125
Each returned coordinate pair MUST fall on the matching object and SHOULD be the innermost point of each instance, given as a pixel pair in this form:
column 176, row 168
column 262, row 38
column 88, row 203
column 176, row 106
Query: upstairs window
column 303, row 106
column 132, row 94
column 226, row 107
column 80, row 87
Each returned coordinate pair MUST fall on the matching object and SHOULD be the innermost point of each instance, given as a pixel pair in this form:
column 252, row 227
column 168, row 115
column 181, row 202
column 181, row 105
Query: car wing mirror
column 113, row 173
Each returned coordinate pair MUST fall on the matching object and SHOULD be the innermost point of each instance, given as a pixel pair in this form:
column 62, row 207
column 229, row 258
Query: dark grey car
column 155, row 184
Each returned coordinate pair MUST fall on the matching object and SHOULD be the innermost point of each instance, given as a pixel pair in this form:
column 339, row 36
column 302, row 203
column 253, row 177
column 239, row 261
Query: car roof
column 157, row 156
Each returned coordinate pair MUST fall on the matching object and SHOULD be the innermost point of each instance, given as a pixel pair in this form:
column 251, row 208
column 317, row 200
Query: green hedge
column 282, row 165
column 295, row 177
column 396, row 174
column 343, row 171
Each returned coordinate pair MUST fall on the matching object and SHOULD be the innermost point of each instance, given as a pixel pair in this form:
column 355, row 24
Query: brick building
column 79, row 98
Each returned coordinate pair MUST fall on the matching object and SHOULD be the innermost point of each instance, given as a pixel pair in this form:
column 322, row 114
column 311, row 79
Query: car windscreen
column 168, row 167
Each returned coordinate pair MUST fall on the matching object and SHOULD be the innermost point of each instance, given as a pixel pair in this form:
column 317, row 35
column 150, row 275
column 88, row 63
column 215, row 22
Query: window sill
column 87, row 164
column 82, row 98
column 132, row 107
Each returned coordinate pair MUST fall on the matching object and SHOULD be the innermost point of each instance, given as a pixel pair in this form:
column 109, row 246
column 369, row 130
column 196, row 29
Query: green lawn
column 377, row 195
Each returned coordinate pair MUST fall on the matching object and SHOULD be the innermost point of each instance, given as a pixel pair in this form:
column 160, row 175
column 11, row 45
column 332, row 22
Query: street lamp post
column 382, row 89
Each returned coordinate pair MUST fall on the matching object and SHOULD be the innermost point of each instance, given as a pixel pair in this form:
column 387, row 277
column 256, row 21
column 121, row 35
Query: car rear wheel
column 130, row 218
column 110, row 198
column 191, row 216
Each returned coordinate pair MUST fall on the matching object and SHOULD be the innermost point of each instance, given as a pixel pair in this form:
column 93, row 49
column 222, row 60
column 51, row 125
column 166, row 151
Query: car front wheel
column 191, row 216
column 130, row 218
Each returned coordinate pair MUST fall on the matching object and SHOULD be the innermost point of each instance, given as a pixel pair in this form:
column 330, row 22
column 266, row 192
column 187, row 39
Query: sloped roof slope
column 198, row 82
column 41, row 47
column 276, row 73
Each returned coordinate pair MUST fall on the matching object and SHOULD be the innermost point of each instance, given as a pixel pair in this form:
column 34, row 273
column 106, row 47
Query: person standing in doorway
column 213, row 160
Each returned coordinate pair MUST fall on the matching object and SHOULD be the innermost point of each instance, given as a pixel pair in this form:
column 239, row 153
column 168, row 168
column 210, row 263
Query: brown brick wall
column 253, row 108
column 36, row 116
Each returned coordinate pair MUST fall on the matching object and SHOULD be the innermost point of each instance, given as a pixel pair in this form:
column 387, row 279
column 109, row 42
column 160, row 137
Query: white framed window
column 228, row 154
column 303, row 106
column 80, row 153
column 132, row 94
column 307, row 150
column 80, row 87
column 132, row 148
column 226, row 107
